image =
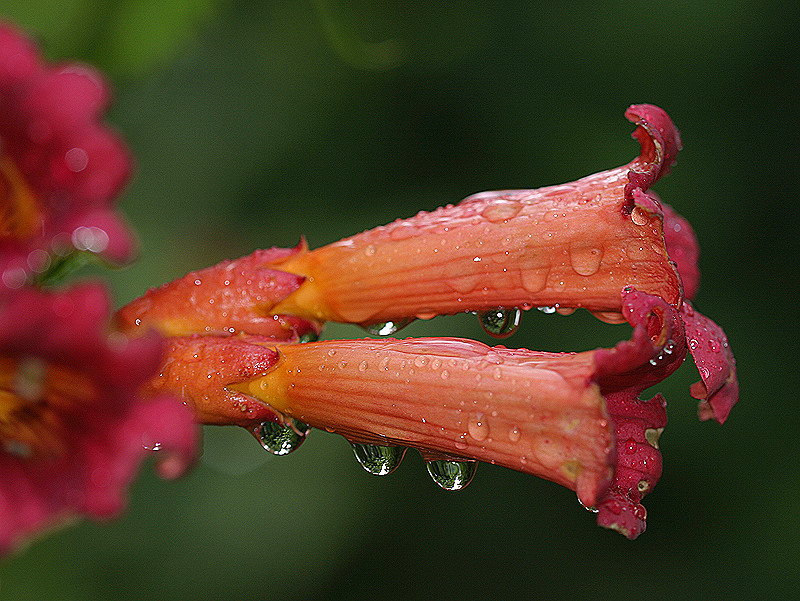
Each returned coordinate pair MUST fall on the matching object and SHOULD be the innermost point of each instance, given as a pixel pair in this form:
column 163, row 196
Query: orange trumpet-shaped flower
column 604, row 243
column 573, row 418
column 573, row 245
column 568, row 246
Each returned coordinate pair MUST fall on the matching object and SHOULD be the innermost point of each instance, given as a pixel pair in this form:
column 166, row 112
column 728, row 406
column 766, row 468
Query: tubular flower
column 73, row 426
column 60, row 169
column 605, row 243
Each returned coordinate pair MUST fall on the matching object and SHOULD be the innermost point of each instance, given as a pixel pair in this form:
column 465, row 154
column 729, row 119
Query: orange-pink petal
column 573, row 245
column 230, row 297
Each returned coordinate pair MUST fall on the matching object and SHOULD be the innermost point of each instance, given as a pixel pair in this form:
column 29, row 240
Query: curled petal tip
column 660, row 141
column 664, row 142
column 622, row 515
column 718, row 388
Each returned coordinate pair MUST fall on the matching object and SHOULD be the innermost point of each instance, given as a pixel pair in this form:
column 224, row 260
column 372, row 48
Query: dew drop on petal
column 281, row 439
column 639, row 215
column 387, row 328
column 500, row 323
column 378, row 460
column 501, row 210
column 452, row 475
column 585, row 259
column 478, row 427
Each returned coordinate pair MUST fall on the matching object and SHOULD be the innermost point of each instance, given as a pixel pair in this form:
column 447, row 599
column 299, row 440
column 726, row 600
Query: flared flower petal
column 60, row 168
column 73, row 427
column 573, row 245
column 683, row 249
column 573, row 418
column 718, row 389
column 233, row 296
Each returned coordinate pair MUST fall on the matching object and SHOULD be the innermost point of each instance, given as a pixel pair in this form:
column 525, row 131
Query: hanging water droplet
column 452, row 475
column 308, row 337
column 378, row 459
column 500, row 323
column 387, row 328
column 281, row 439
column 548, row 310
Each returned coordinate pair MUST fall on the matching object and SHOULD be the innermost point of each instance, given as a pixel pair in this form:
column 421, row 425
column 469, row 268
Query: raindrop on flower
column 378, row 459
column 500, row 323
column 308, row 337
column 478, row 427
column 452, row 475
column 281, row 439
column 548, row 310
column 387, row 328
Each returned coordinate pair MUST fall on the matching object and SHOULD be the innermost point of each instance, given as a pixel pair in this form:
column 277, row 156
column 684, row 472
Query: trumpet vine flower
column 60, row 168
column 605, row 243
column 73, row 425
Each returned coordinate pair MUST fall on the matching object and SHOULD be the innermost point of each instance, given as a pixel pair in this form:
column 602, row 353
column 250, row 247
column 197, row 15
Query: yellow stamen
column 20, row 214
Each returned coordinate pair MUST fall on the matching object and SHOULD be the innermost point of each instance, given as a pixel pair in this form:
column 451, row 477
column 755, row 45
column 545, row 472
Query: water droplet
column 669, row 347
column 500, row 323
column 308, row 337
column 362, row 367
column 548, row 310
column 612, row 317
column 452, row 475
column 630, row 446
column 534, row 280
column 639, row 215
column 478, row 427
column 281, row 439
column 501, row 210
column 387, row 328
column 378, row 459
column 514, row 434
column 585, row 259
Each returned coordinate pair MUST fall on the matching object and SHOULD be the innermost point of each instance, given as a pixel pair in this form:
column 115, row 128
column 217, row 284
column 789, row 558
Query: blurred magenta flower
column 604, row 243
column 60, row 169
column 73, row 426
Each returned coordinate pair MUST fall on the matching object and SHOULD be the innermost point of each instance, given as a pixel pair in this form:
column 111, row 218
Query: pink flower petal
column 74, row 428
column 718, row 389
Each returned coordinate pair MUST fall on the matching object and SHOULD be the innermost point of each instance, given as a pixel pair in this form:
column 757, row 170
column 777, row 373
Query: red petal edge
column 656, row 349
column 718, row 389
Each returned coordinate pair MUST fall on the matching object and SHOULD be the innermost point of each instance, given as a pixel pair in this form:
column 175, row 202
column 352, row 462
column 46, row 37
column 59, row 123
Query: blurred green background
column 254, row 123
